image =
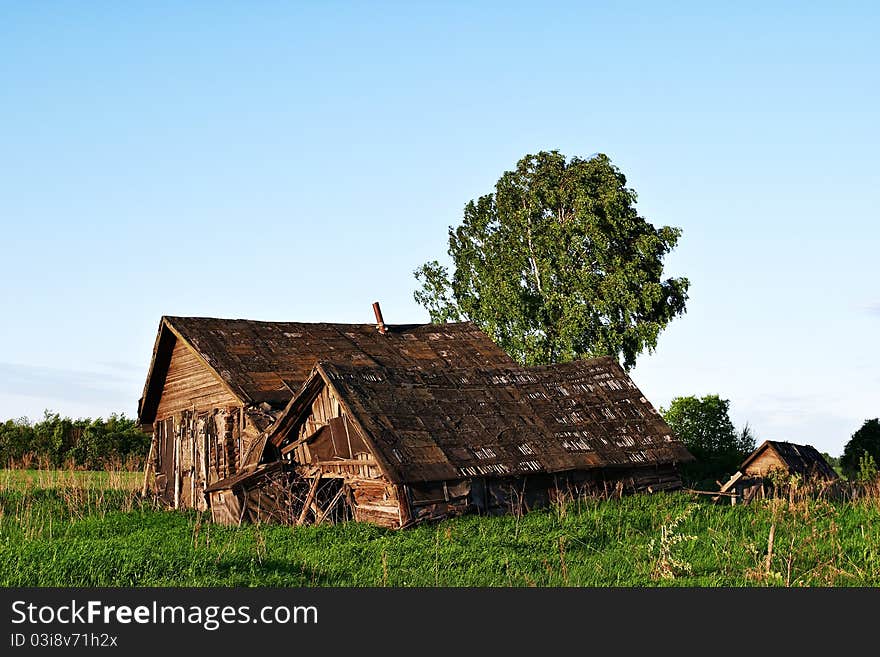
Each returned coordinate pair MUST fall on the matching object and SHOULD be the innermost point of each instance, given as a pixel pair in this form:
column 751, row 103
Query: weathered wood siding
column 198, row 432
column 225, row 507
column 332, row 442
column 765, row 462
column 332, row 447
column 191, row 386
column 193, row 451
column 378, row 502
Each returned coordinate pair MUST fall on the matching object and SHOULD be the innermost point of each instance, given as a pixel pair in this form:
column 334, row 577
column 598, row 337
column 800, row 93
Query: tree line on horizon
column 703, row 424
column 84, row 443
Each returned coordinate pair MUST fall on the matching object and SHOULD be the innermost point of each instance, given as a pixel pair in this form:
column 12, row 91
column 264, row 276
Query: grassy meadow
column 82, row 529
column 21, row 479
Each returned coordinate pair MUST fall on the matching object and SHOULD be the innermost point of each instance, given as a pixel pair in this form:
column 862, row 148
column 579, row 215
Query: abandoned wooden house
column 214, row 385
column 771, row 461
column 390, row 424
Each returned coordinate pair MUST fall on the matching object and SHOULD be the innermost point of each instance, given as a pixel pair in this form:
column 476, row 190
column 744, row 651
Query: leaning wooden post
column 309, row 499
column 177, row 437
column 330, row 506
column 148, row 466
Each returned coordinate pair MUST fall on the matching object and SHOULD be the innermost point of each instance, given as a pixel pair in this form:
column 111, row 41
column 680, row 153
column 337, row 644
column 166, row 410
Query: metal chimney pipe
column 380, row 323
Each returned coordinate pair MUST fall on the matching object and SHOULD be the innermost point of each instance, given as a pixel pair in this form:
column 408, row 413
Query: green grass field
column 108, row 480
column 89, row 534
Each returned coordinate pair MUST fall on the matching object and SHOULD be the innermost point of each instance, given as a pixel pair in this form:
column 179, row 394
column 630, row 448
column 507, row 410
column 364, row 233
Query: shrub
column 85, row 443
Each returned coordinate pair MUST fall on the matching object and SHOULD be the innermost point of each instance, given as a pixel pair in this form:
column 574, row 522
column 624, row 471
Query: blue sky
column 296, row 162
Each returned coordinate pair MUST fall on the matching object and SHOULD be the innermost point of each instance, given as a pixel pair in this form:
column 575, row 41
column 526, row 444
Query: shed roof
column 269, row 361
column 804, row 460
column 439, row 424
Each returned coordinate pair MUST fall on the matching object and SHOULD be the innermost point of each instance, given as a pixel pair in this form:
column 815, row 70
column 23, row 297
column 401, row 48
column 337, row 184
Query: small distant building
column 773, row 458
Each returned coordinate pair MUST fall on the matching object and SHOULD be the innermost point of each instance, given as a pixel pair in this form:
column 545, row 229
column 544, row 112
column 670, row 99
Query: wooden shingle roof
column 267, row 362
column 439, row 424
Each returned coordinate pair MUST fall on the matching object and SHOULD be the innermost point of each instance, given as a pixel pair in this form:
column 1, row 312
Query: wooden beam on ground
column 709, row 492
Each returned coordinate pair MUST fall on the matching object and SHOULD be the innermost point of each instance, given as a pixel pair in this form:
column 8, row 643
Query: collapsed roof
column 435, row 424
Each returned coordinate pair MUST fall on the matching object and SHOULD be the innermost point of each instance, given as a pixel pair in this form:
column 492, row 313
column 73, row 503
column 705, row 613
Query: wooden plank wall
column 194, row 450
column 338, row 450
column 199, row 432
column 325, row 407
column 377, row 501
column 338, row 447
column 764, row 463
column 191, row 386
column 225, row 507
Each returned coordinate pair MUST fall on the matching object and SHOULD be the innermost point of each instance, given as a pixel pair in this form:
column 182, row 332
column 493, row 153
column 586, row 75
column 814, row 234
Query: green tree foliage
column 557, row 264
column 834, row 462
column 864, row 441
column 57, row 441
column 867, row 469
column 704, row 425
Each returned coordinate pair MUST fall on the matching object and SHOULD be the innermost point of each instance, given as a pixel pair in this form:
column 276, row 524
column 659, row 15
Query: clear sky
column 285, row 161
